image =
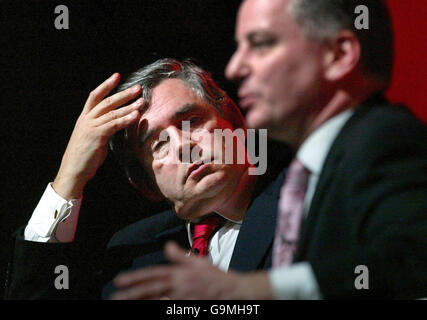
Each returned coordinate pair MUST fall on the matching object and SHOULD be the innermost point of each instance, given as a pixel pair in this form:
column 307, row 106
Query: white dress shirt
column 298, row 281
column 54, row 219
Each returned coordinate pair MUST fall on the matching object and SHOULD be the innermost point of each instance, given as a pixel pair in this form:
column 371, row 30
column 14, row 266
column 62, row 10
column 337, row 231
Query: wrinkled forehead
column 170, row 102
column 170, row 98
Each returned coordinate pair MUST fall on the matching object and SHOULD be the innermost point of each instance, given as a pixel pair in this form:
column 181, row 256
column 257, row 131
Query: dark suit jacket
column 370, row 207
column 31, row 273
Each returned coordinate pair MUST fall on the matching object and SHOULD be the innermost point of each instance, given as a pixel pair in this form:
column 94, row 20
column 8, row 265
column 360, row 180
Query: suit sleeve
column 50, row 271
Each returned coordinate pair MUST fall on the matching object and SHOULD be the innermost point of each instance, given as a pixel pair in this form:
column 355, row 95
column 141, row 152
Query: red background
column 410, row 26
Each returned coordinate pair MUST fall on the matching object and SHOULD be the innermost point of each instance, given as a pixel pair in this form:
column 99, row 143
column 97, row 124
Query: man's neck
column 340, row 101
column 234, row 208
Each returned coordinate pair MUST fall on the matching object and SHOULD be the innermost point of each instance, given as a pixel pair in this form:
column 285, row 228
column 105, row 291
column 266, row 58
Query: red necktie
column 202, row 233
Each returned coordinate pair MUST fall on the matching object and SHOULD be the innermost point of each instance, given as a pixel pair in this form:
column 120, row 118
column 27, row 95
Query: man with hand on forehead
column 217, row 211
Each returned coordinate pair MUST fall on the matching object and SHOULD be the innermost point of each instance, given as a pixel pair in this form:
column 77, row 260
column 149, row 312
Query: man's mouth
column 197, row 168
column 246, row 102
column 247, row 99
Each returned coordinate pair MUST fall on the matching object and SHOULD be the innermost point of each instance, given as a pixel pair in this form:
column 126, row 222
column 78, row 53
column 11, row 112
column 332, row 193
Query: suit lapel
column 154, row 254
column 332, row 161
column 178, row 234
column 257, row 231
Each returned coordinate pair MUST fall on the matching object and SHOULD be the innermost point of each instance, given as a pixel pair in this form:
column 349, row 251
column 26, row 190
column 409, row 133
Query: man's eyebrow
column 183, row 110
column 258, row 33
column 186, row 108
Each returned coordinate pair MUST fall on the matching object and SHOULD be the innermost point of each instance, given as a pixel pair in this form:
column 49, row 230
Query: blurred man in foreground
column 352, row 217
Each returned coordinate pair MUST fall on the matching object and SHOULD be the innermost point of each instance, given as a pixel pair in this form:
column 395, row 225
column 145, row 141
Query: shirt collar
column 188, row 225
column 315, row 148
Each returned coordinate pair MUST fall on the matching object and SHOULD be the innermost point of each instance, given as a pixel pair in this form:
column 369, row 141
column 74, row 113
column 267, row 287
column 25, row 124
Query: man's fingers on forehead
column 117, row 113
column 104, row 88
column 111, row 127
column 116, row 100
column 102, row 91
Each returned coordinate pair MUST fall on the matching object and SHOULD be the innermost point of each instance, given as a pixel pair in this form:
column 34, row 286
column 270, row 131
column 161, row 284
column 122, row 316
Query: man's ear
column 147, row 190
column 343, row 55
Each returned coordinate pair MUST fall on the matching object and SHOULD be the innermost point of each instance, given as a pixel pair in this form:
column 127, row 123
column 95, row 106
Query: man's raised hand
column 87, row 149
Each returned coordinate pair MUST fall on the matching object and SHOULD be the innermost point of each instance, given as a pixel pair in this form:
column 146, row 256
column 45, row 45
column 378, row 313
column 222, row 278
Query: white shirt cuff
column 54, row 217
column 294, row 282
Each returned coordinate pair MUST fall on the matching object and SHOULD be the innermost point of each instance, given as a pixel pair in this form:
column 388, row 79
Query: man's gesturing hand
column 190, row 277
column 87, row 148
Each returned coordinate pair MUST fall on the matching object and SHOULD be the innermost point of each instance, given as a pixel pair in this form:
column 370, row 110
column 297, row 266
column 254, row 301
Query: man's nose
column 185, row 146
column 238, row 67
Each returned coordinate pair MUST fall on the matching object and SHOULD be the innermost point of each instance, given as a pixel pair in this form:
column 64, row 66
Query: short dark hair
column 322, row 19
column 148, row 78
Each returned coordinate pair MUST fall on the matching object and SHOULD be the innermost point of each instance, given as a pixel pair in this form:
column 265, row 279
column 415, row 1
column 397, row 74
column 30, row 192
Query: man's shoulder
column 374, row 126
column 384, row 117
column 379, row 135
column 146, row 230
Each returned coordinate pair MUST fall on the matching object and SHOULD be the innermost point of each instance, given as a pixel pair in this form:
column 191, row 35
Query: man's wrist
column 53, row 216
column 68, row 188
column 255, row 286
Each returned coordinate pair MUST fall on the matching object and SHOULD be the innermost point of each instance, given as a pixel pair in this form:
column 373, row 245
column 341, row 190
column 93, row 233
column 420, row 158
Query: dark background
column 47, row 74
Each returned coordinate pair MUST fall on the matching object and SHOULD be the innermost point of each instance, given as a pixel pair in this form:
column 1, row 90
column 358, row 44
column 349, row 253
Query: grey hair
column 196, row 78
column 148, row 78
column 321, row 20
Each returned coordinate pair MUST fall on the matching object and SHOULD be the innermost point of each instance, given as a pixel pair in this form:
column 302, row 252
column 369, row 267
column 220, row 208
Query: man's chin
column 256, row 119
column 207, row 195
column 212, row 184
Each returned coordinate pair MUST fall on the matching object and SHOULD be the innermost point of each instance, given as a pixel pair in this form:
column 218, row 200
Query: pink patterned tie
column 289, row 217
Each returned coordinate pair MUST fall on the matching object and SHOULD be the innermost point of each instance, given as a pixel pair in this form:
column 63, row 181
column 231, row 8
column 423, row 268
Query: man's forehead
column 172, row 97
column 261, row 14
column 170, row 100
column 147, row 128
